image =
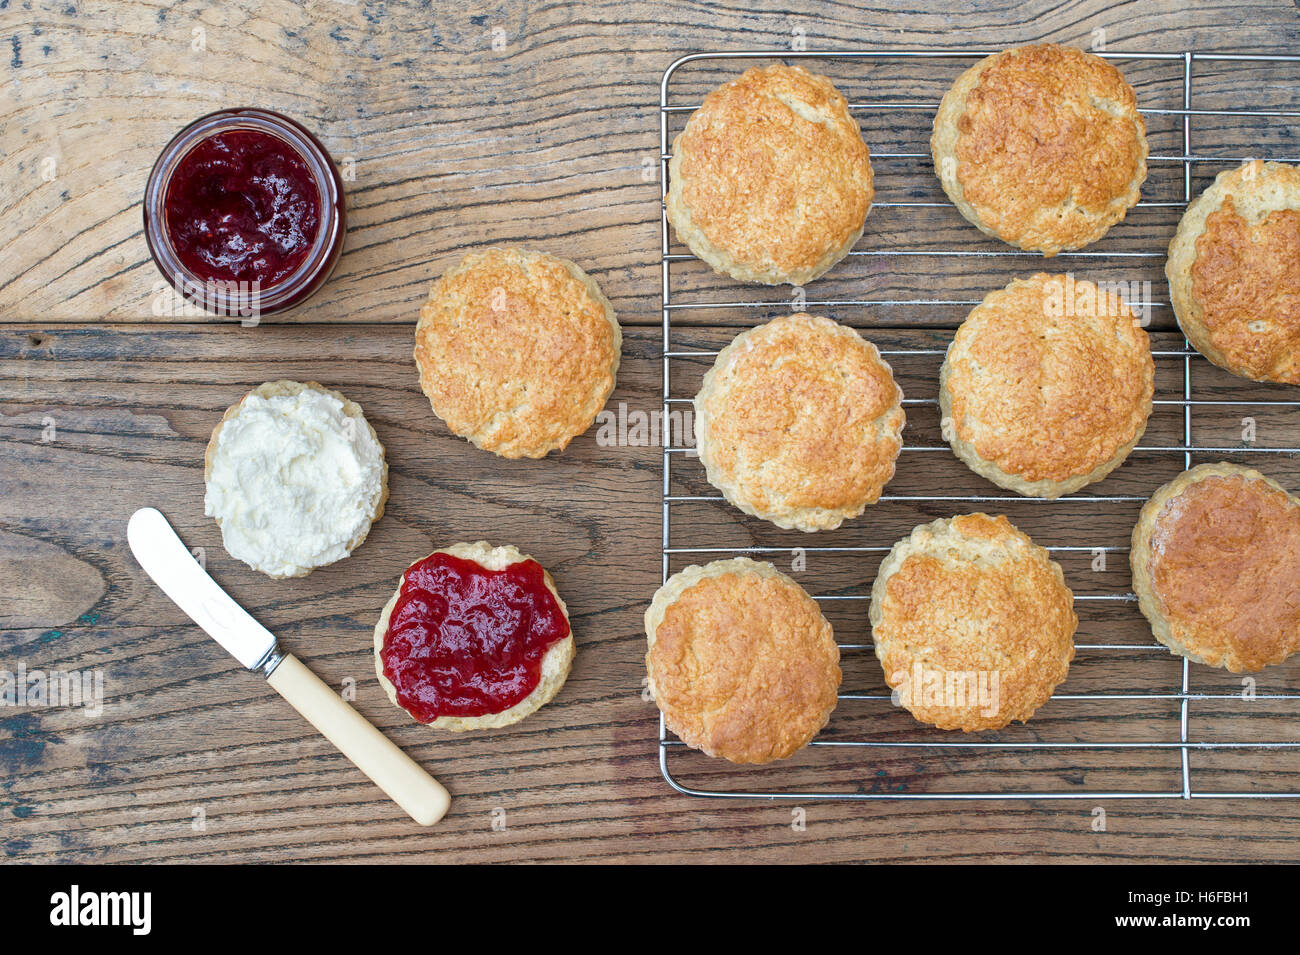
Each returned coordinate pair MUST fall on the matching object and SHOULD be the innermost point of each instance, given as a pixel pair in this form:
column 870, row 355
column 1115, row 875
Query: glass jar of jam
column 243, row 213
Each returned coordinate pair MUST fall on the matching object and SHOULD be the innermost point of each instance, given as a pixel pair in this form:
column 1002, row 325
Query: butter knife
column 173, row 568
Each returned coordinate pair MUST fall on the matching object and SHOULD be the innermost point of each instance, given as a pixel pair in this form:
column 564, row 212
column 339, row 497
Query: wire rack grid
column 1179, row 397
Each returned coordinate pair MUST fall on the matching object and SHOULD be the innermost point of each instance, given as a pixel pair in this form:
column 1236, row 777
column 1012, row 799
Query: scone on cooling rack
column 972, row 623
column 1234, row 272
column 517, row 351
column 475, row 637
column 1216, row 567
column 1041, row 146
column 770, row 181
column 1042, row 395
column 295, row 476
column 741, row 661
column 799, row 422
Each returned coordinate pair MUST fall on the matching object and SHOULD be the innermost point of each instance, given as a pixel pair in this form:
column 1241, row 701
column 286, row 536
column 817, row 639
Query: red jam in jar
column 467, row 641
column 242, row 205
column 243, row 214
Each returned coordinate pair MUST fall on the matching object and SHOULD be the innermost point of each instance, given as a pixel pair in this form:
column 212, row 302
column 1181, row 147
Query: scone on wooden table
column 474, row 637
column 741, row 661
column 972, row 623
column 1047, row 385
column 517, row 351
column 1216, row 567
column 294, row 476
column 1041, row 146
column 1234, row 272
column 799, row 422
column 770, row 181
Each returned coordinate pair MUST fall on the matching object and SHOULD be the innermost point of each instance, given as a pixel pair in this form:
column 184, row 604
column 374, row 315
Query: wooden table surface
column 462, row 125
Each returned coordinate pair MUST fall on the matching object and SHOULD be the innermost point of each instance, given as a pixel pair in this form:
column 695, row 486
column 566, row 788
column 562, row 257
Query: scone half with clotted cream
column 295, row 476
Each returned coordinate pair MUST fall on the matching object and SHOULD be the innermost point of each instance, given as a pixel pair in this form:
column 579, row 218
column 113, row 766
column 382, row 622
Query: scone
column 475, row 637
column 1041, row 146
column 1046, row 386
column 1216, row 567
column 972, row 622
column 799, row 422
column 1234, row 272
column 741, row 661
column 517, row 351
column 770, row 181
column 294, row 476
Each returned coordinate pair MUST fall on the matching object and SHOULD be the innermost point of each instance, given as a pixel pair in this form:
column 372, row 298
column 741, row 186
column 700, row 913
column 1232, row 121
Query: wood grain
column 105, row 406
column 454, row 144
column 185, row 730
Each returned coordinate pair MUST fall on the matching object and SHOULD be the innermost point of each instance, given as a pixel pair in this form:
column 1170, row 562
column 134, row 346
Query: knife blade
column 169, row 562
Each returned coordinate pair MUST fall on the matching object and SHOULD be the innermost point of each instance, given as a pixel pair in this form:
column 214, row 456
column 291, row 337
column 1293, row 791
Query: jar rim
column 228, row 298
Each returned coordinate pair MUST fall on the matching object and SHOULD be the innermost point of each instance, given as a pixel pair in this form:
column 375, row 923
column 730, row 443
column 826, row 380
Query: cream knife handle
column 375, row 755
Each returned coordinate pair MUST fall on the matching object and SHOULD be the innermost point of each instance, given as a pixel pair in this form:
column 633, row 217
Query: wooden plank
column 183, row 730
column 550, row 140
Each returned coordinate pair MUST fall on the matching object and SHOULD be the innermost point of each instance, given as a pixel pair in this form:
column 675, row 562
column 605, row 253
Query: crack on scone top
column 801, row 109
column 1107, row 105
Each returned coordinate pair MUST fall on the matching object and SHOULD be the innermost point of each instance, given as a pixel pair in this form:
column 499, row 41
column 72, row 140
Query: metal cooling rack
column 1186, row 356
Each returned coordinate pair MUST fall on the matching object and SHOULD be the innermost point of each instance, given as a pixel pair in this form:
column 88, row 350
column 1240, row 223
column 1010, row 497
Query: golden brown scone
column 1041, row 146
column 799, row 422
column 972, row 622
column 1234, row 272
column 556, row 661
column 741, row 662
column 770, row 181
column 288, row 504
column 1047, row 385
column 1216, row 567
column 517, row 351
